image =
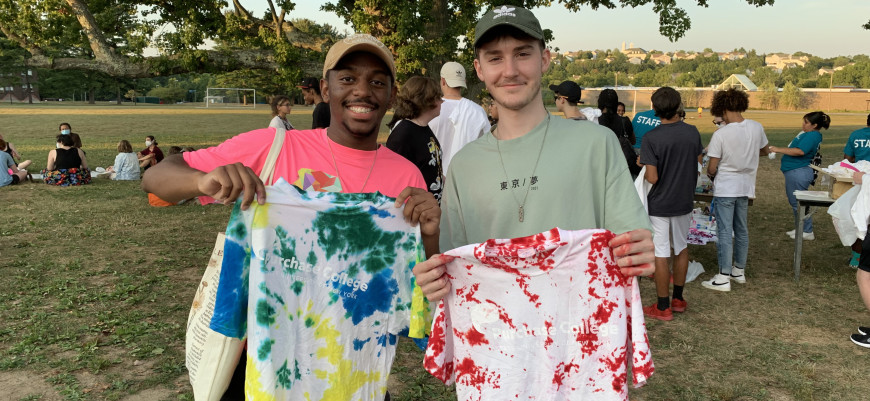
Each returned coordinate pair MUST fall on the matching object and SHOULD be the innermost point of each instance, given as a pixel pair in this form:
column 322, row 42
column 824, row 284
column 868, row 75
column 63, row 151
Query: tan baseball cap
column 358, row 42
column 454, row 74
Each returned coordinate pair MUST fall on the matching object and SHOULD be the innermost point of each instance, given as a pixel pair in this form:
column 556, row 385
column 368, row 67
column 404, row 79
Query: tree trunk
column 440, row 19
column 92, row 92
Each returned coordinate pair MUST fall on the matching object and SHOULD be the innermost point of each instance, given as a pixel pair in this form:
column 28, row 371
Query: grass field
column 96, row 285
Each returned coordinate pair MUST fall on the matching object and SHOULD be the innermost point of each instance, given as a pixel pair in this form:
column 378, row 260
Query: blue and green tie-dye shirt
column 320, row 283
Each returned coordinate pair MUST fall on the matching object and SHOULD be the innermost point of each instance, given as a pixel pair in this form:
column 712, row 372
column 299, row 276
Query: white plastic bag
column 840, row 212
column 642, row 186
column 695, row 270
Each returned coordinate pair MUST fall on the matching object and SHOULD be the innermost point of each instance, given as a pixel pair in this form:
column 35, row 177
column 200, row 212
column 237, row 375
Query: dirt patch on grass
column 152, row 394
column 19, row 384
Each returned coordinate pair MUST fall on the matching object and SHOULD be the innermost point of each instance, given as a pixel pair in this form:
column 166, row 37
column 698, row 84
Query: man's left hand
column 421, row 207
column 634, row 252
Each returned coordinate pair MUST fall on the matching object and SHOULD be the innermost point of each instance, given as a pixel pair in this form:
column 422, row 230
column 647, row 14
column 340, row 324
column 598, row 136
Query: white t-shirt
column 544, row 317
column 460, row 122
column 278, row 122
column 321, row 284
column 738, row 146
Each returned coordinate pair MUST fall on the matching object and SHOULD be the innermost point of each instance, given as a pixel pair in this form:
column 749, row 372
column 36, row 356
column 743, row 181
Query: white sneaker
column 719, row 282
column 807, row 236
column 737, row 275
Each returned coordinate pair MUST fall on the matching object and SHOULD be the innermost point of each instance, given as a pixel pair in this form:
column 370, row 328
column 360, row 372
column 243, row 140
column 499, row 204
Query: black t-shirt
column 67, row 158
column 673, row 149
column 621, row 126
column 419, row 145
column 320, row 117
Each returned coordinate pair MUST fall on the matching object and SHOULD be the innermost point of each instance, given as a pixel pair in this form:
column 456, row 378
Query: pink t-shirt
column 544, row 317
column 306, row 161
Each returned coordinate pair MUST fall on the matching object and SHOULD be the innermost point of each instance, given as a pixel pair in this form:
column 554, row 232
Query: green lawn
column 96, row 285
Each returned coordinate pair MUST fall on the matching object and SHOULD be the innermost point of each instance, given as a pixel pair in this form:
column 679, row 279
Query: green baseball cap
column 516, row 17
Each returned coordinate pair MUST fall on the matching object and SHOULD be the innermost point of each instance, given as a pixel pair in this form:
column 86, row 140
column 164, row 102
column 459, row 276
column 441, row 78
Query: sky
column 823, row 28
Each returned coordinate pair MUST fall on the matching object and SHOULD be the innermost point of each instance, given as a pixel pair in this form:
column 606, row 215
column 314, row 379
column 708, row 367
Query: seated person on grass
column 66, row 165
column 151, row 155
column 7, row 165
column 10, row 149
column 126, row 165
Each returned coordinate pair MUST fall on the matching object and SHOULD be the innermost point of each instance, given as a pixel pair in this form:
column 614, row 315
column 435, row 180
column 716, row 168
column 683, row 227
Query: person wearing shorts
column 671, row 153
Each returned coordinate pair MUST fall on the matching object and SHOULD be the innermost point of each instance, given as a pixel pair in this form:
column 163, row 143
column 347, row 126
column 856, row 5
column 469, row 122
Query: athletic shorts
column 670, row 232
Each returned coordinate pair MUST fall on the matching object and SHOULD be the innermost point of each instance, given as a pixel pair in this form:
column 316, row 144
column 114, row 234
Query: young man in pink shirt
column 359, row 84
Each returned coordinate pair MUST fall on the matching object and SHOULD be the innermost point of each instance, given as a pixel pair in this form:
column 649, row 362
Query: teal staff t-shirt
column 809, row 142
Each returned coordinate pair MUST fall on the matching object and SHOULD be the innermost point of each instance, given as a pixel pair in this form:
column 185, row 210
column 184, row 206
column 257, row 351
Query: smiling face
column 808, row 126
column 512, row 70
column 359, row 91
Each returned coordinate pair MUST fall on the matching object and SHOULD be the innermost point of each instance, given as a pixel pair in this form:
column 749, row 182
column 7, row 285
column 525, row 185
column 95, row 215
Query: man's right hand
column 225, row 183
column 431, row 277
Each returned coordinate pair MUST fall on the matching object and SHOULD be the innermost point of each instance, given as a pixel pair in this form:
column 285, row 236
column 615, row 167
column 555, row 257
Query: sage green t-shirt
column 581, row 182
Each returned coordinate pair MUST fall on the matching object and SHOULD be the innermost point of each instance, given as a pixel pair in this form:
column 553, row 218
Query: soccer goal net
column 230, row 97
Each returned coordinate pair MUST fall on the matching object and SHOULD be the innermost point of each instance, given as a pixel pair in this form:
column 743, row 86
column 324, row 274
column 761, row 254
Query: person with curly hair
column 734, row 151
column 418, row 102
column 796, row 159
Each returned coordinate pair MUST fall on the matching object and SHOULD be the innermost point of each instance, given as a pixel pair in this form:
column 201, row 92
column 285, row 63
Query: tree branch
column 22, row 41
column 99, row 45
column 208, row 61
column 274, row 14
column 241, row 10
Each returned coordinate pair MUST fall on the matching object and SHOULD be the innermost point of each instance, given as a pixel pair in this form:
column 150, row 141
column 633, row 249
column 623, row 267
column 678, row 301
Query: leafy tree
column 762, row 76
column 690, row 97
column 792, row 97
column 769, row 96
column 132, row 95
column 109, row 36
column 168, row 94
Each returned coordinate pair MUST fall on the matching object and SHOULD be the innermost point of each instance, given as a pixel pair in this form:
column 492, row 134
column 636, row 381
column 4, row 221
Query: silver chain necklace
column 522, row 204
column 338, row 174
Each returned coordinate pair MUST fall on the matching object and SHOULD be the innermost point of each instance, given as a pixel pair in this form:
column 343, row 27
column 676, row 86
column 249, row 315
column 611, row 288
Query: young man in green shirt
column 533, row 172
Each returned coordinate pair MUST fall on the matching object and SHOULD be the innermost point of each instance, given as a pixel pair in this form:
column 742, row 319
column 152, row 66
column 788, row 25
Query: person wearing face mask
column 66, row 129
column 151, row 155
column 66, row 164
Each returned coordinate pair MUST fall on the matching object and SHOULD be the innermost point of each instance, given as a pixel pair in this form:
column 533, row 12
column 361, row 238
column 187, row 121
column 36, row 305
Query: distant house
column 635, row 60
column 660, row 58
column 712, row 54
column 732, row 56
column 634, row 52
column 737, row 81
column 825, row 71
column 781, row 61
column 19, row 87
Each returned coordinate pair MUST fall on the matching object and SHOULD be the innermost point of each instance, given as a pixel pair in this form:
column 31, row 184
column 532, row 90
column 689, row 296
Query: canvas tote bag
column 211, row 357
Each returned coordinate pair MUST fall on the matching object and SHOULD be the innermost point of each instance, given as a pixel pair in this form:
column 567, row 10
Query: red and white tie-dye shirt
column 545, row 317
